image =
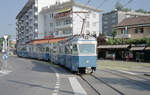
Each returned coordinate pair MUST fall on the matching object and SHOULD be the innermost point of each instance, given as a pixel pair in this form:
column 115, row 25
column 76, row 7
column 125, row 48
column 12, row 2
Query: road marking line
column 54, row 94
column 5, row 72
column 57, row 75
column 77, row 88
column 57, row 86
column 127, row 72
column 56, row 90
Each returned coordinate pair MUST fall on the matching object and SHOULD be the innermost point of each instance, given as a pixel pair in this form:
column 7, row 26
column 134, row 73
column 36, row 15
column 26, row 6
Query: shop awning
column 113, row 46
column 147, row 48
column 137, row 48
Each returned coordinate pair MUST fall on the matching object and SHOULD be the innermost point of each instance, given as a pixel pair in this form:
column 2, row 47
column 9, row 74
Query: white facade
column 92, row 21
column 38, row 20
column 67, row 19
column 30, row 21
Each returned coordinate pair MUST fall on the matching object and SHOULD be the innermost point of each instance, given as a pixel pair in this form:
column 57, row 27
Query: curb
column 147, row 75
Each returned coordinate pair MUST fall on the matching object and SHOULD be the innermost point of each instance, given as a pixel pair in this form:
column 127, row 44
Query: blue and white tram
column 78, row 53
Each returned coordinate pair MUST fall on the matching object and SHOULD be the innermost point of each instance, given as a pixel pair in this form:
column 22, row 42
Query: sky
column 10, row 8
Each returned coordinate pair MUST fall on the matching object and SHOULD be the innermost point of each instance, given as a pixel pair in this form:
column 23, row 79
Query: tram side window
column 61, row 50
column 47, row 49
column 67, row 50
column 74, row 49
column 54, row 50
column 57, row 50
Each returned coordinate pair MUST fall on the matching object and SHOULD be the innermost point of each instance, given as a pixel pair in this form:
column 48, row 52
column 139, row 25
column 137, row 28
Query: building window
column 105, row 27
column 139, row 30
column 51, row 24
column 94, row 32
column 51, row 15
column 113, row 21
column 87, row 24
column 105, row 18
column 94, row 15
column 68, row 21
column 114, row 16
column 58, row 24
column 56, row 33
column 94, row 24
column 122, row 31
column 105, row 22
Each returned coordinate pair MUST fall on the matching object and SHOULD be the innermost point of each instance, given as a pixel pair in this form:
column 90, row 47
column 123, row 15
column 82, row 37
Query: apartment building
column 66, row 19
column 136, row 27
column 111, row 19
column 42, row 19
column 29, row 20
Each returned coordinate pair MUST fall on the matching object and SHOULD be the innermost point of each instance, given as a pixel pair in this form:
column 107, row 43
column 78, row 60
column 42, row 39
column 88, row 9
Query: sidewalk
column 138, row 67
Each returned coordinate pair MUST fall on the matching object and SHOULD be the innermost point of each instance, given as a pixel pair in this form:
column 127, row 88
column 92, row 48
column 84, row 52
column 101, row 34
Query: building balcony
column 62, row 35
column 64, row 26
column 63, row 15
column 123, row 36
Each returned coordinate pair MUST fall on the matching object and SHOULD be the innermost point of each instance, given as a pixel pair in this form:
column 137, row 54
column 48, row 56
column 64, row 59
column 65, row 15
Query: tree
column 118, row 6
column 101, row 40
column 1, row 42
column 113, row 33
column 142, row 11
column 126, row 9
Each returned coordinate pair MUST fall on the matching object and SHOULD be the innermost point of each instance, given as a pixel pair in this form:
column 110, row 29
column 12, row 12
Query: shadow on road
column 41, row 67
column 132, row 84
column 38, row 86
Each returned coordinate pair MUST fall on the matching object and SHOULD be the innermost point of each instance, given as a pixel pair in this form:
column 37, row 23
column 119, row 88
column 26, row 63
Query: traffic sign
column 5, row 56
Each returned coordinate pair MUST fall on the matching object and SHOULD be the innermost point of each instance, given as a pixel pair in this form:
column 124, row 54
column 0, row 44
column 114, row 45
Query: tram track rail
column 81, row 76
column 129, row 78
column 101, row 81
column 121, row 93
column 137, row 76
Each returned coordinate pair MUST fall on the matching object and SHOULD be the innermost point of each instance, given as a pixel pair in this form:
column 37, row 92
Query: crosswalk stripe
column 77, row 88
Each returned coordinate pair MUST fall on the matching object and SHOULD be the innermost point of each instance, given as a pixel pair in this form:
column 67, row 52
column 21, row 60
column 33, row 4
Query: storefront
column 115, row 52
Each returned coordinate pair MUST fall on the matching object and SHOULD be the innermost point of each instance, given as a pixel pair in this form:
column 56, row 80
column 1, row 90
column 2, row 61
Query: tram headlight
column 87, row 61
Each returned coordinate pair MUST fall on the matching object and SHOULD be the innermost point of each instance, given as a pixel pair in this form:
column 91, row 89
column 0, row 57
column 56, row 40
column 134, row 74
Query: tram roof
column 82, row 38
column 44, row 41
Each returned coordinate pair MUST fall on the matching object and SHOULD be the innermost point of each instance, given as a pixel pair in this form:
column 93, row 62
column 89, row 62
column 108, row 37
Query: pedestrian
column 128, row 57
column 113, row 56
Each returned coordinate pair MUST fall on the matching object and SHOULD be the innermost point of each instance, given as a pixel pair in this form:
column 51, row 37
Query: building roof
column 137, row 48
column 143, row 20
column 127, row 13
column 113, row 46
column 30, row 2
column 43, row 41
column 70, row 4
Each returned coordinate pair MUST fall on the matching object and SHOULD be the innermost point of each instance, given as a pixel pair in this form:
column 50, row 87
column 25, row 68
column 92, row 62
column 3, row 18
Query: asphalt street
column 32, row 77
